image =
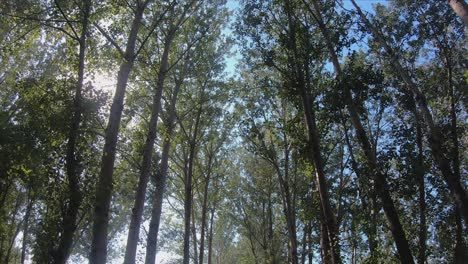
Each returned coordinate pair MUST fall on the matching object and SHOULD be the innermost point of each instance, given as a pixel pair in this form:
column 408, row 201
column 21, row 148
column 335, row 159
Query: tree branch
column 110, row 39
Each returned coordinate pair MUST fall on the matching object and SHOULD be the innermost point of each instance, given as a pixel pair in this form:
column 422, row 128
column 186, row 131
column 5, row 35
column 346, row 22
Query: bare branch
column 66, row 19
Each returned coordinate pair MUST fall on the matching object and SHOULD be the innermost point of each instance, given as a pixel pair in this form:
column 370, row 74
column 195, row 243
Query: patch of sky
column 234, row 57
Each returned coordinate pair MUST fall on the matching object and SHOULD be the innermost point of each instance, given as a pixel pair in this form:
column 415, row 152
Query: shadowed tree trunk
column 148, row 149
column 98, row 253
column 161, row 178
column 70, row 218
column 324, row 244
column 421, row 189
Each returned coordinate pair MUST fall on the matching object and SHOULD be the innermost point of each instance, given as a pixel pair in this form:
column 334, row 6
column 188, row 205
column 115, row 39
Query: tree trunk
column 304, row 244
column 204, row 210
column 381, row 187
column 27, row 216
column 14, row 234
column 435, row 137
column 70, row 218
column 310, row 243
column 160, row 181
column 370, row 223
column 210, row 239
column 461, row 9
column 324, row 243
column 188, row 189
column 98, row 253
column 422, row 192
column 271, row 252
column 379, row 178
column 314, row 139
column 148, row 149
column 194, row 236
column 287, row 202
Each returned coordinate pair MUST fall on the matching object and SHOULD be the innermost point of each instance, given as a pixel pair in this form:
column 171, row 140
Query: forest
column 233, row 131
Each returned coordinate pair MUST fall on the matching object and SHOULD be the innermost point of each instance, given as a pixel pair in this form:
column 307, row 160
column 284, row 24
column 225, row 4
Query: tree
column 104, row 188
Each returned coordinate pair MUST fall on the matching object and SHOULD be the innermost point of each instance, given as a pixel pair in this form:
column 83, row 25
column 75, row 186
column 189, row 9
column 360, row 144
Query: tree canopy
column 222, row 131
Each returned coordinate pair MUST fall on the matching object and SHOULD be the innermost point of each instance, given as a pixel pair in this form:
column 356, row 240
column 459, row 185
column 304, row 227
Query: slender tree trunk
column 11, row 242
column 210, row 239
column 160, row 181
column 70, row 218
column 370, row 225
column 288, row 205
column 194, row 236
column 310, row 243
column 188, row 189
column 422, row 191
column 148, row 149
column 460, row 249
column 27, row 216
column 305, row 241
column 435, row 137
column 314, row 139
column 98, row 253
column 204, row 211
column 271, row 252
column 461, row 9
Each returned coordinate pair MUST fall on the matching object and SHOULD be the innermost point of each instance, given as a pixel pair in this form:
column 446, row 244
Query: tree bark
column 461, row 9
column 435, row 136
column 70, row 219
column 161, row 179
column 148, row 149
column 98, row 253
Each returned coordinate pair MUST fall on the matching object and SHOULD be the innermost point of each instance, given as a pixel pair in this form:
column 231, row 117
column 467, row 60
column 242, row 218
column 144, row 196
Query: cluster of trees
column 340, row 138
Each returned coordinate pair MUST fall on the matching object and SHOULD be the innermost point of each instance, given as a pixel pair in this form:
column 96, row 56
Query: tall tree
column 379, row 178
column 435, row 137
column 148, row 149
column 104, row 188
column 70, row 218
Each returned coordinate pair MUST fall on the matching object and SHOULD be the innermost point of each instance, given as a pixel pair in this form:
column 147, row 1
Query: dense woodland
column 252, row 131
